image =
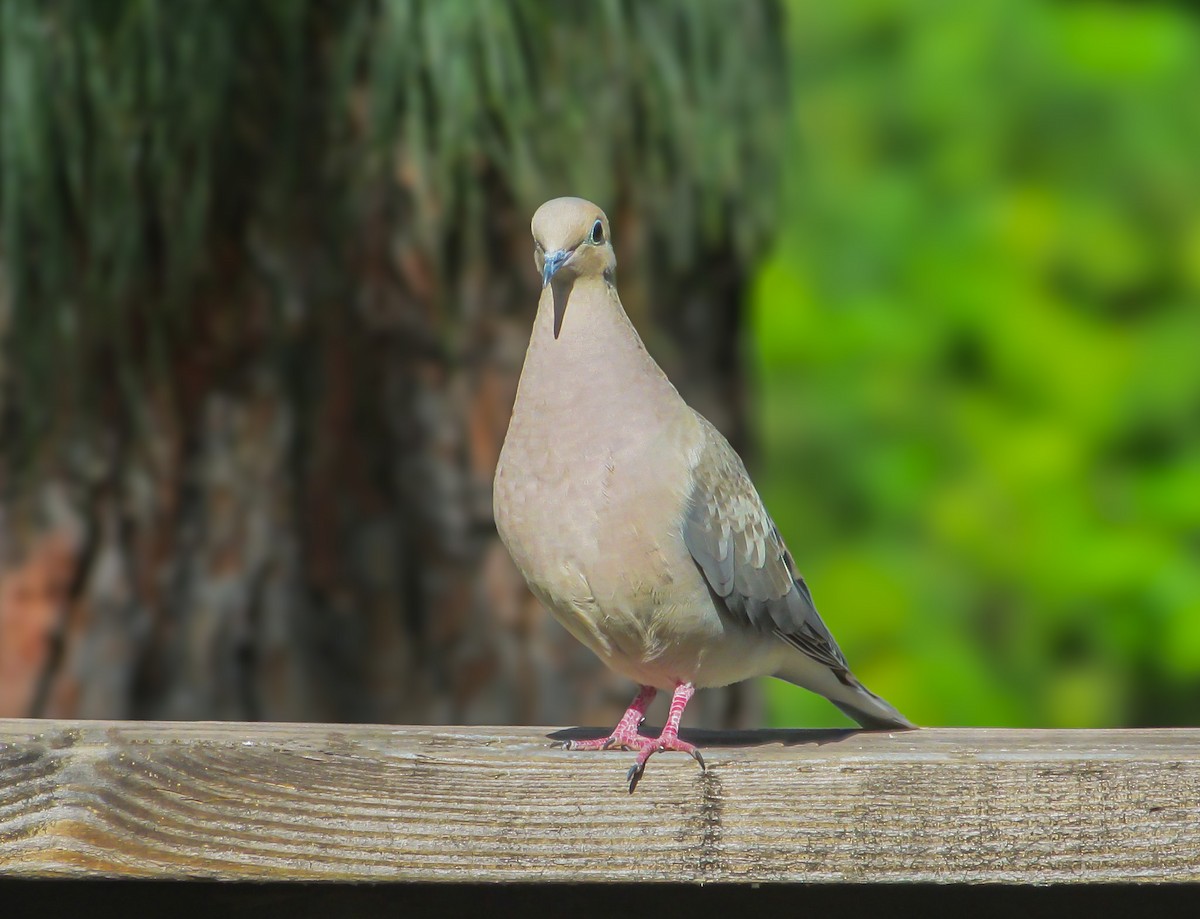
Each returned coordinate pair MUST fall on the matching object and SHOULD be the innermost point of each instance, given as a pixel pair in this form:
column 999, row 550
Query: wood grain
column 354, row 802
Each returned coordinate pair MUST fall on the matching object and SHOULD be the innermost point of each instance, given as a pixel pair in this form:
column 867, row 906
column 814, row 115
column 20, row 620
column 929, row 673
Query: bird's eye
column 597, row 232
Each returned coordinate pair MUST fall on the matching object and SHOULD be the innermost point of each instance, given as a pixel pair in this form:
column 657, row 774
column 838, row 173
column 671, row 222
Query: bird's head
column 570, row 241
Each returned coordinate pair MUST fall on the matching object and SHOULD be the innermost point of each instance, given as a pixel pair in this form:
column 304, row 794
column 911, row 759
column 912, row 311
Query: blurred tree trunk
column 287, row 515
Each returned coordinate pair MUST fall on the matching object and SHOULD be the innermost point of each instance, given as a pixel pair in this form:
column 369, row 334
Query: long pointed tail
column 851, row 697
column 872, row 712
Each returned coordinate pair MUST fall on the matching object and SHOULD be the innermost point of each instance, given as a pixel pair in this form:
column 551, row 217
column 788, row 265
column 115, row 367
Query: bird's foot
column 625, row 735
column 649, row 746
column 646, row 747
column 623, row 738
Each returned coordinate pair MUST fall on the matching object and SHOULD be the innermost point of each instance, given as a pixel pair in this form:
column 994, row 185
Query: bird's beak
column 554, row 261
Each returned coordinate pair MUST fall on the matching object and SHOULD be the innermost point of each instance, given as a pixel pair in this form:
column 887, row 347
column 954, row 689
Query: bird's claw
column 634, row 775
column 638, row 769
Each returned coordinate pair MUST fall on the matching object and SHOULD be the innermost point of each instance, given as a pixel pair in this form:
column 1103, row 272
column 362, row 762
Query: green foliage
column 978, row 341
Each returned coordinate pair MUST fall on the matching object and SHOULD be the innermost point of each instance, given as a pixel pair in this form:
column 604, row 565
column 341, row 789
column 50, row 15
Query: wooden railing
column 296, row 802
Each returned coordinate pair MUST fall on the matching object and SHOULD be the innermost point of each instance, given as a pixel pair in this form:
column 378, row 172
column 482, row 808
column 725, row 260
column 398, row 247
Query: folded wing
column 734, row 541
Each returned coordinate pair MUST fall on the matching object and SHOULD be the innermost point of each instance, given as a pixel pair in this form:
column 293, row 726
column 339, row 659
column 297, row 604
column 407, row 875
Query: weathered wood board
column 360, row 802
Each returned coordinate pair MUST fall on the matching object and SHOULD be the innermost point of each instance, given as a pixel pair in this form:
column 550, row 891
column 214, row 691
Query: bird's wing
column 734, row 541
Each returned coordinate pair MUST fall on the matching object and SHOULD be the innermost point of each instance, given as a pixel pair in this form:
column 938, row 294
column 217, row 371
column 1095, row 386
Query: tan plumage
column 631, row 517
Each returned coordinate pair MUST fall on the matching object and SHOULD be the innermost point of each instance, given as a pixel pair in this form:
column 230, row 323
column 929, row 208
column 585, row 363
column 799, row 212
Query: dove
column 633, row 520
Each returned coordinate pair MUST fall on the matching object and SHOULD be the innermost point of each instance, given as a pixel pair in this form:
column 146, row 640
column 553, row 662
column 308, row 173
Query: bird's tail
column 872, row 712
column 847, row 693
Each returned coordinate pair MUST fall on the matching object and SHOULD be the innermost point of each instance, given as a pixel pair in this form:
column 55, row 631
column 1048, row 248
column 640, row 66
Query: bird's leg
column 625, row 734
column 668, row 739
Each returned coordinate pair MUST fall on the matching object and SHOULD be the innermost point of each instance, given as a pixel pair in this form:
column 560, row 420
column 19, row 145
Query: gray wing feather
column 734, row 541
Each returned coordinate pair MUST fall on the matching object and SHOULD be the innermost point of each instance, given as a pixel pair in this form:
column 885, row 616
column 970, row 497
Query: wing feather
column 738, row 548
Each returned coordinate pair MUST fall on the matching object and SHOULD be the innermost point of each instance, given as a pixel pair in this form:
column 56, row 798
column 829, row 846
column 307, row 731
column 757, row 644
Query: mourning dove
column 634, row 521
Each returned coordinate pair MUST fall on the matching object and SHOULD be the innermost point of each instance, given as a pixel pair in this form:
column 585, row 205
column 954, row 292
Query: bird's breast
column 583, row 498
column 591, row 510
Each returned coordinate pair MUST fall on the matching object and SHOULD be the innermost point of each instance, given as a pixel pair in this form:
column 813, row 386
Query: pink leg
column 626, row 737
column 668, row 739
column 625, row 734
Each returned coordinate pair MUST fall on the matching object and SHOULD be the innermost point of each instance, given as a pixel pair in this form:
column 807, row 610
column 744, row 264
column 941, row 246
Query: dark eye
column 597, row 232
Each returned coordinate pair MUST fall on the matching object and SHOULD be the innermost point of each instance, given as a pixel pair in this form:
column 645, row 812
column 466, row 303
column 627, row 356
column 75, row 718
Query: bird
column 634, row 521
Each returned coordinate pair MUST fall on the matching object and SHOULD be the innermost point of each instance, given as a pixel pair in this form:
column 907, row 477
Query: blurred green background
column 978, row 355
column 934, row 267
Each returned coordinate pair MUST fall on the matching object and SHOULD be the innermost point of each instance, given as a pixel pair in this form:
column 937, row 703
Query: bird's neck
column 597, row 361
